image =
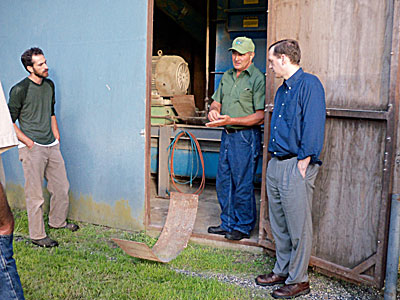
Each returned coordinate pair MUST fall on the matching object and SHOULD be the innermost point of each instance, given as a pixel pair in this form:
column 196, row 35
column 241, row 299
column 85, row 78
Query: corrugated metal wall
column 96, row 52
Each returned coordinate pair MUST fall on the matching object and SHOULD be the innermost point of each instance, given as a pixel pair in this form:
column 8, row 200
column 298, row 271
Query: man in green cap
column 238, row 106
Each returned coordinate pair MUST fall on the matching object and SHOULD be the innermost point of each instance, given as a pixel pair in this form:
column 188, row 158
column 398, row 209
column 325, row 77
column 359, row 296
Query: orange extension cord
column 203, row 178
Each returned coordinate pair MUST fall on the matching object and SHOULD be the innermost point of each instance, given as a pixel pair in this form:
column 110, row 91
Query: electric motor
column 170, row 75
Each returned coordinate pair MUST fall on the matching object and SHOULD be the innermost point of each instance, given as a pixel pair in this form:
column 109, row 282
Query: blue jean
column 10, row 284
column 237, row 163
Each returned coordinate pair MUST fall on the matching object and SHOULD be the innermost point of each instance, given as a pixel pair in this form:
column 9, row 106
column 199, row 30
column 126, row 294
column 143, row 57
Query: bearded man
column 32, row 103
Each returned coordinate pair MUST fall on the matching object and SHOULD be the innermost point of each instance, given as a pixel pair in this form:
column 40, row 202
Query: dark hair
column 26, row 57
column 288, row 47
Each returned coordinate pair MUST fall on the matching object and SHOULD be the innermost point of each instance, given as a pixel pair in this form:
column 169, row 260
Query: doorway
column 199, row 32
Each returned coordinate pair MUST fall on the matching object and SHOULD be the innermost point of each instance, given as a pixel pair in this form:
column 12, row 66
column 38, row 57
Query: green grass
column 88, row 265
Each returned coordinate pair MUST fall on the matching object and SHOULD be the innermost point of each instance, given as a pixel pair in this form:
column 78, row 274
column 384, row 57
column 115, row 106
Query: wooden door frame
column 149, row 54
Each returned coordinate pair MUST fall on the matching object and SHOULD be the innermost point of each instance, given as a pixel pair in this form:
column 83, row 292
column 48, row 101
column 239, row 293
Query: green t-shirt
column 241, row 96
column 33, row 105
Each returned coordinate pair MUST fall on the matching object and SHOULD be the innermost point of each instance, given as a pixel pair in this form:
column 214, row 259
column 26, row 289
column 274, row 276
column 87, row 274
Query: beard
column 42, row 75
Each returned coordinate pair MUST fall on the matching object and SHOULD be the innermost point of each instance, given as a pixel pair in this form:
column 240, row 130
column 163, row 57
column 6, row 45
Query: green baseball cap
column 242, row 45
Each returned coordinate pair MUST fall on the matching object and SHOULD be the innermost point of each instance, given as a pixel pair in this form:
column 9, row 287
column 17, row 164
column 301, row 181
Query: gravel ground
column 322, row 287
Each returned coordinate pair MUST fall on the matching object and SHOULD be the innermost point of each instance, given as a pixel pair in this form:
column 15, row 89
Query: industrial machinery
column 170, row 78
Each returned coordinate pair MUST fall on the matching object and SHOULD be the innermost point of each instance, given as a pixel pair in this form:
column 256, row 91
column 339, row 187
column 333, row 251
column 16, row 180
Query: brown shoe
column 289, row 291
column 72, row 227
column 45, row 242
column 269, row 279
column 69, row 226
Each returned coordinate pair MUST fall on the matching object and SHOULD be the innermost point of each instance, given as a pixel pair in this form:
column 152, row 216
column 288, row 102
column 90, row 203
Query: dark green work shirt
column 241, row 96
column 33, row 105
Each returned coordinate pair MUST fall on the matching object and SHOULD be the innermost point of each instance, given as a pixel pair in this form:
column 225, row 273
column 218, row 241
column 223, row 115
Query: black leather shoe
column 236, row 235
column 45, row 242
column 217, row 230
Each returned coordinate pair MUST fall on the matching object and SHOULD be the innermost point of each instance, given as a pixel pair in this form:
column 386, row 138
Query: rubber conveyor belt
column 175, row 235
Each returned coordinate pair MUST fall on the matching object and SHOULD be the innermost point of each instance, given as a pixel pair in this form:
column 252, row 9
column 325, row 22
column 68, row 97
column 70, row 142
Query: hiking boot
column 45, row 242
column 70, row 226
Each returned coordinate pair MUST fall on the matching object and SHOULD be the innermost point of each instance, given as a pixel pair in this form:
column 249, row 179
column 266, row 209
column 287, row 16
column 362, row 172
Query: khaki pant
column 39, row 163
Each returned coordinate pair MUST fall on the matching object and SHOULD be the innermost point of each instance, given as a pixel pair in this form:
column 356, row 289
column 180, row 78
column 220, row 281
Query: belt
column 231, row 130
column 285, row 157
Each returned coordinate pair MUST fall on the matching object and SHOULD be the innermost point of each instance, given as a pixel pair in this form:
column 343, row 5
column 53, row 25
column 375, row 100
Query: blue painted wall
column 96, row 52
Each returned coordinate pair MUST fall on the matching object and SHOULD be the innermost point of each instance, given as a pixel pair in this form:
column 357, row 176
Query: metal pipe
column 392, row 265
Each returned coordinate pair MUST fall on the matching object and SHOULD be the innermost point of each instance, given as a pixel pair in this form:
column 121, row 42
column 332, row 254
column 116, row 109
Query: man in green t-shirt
column 238, row 106
column 32, row 103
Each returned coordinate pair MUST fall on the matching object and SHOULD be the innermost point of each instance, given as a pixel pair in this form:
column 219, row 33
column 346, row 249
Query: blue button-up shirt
column 298, row 119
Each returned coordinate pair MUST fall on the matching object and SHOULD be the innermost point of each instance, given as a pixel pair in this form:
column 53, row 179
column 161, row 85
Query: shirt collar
column 292, row 80
column 35, row 82
column 249, row 70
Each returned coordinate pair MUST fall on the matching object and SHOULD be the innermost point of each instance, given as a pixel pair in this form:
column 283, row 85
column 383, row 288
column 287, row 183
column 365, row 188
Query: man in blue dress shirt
column 297, row 136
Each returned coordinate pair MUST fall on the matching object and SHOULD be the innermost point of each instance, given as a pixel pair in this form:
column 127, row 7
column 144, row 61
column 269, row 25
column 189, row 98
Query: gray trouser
column 39, row 163
column 290, row 200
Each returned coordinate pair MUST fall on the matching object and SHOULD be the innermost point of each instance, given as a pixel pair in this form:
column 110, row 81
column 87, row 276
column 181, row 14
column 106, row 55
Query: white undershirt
column 22, row 145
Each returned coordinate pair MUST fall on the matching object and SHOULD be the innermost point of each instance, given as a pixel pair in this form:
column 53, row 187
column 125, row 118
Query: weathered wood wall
column 353, row 47
column 342, row 42
column 346, row 202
